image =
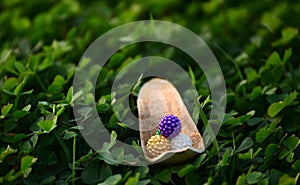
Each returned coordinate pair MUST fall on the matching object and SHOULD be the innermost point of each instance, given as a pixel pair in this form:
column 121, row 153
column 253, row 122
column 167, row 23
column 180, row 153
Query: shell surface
column 158, row 98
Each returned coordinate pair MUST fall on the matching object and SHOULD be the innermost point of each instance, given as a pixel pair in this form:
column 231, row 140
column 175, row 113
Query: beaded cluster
column 168, row 137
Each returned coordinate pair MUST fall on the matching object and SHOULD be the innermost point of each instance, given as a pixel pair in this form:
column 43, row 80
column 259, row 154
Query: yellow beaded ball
column 158, row 144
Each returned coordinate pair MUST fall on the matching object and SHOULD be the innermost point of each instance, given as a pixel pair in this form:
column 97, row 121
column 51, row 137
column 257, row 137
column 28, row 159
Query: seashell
column 156, row 99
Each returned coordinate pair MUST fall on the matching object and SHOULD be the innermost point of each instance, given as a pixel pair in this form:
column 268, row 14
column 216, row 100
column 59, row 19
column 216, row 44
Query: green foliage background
column 256, row 43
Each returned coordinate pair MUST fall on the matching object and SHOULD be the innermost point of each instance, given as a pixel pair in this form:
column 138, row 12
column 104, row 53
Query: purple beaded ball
column 169, row 126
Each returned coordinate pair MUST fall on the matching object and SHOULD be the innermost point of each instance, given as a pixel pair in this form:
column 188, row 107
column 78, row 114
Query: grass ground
column 256, row 43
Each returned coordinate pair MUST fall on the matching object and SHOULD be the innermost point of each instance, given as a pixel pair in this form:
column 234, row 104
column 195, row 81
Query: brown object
column 158, row 98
